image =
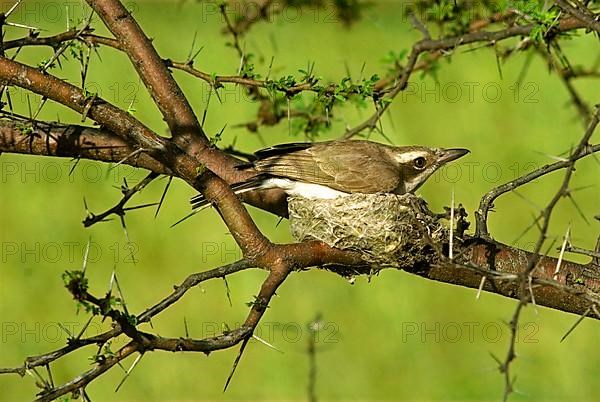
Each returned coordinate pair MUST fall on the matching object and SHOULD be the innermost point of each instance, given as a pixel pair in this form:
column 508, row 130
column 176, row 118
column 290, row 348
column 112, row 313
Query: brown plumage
column 326, row 169
column 348, row 166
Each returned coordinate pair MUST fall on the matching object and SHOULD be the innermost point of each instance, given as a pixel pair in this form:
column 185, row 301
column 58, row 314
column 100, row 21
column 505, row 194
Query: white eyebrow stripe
column 409, row 156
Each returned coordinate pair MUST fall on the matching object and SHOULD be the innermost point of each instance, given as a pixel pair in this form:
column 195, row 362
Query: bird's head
column 417, row 164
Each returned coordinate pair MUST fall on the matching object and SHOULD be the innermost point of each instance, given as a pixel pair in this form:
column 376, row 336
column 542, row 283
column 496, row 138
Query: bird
column 330, row 169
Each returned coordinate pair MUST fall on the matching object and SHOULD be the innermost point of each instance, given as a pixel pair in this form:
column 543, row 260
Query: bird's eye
column 419, row 162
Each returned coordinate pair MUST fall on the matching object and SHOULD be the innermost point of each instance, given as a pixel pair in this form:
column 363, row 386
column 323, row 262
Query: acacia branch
column 85, row 378
column 428, row 45
column 23, row 136
column 311, row 253
column 487, row 201
column 590, row 19
column 156, row 77
column 132, row 130
column 576, row 288
column 185, row 128
column 525, row 276
column 176, row 110
column 111, row 117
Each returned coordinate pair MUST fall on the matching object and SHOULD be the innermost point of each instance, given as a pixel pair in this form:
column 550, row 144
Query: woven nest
column 387, row 229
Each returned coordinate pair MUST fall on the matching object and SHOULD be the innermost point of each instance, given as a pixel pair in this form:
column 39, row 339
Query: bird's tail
column 198, row 201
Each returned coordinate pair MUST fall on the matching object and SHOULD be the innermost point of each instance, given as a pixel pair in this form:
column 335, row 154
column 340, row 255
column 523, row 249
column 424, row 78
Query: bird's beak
column 450, row 154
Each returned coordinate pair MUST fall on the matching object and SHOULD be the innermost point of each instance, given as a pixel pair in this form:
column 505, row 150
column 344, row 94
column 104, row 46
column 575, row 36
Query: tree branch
column 428, row 45
column 589, row 19
column 23, row 136
column 164, row 90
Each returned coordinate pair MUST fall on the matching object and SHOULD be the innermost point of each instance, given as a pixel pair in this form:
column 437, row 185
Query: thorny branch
column 525, row 276
column 120, row 209
column 487, row 201
column 448, row 45
column 121, row 138
column 385, row 89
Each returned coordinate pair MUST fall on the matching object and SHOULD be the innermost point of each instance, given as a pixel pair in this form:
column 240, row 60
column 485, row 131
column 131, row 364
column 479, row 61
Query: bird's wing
column 282, row 149
column 274, row 151
column 334, row 167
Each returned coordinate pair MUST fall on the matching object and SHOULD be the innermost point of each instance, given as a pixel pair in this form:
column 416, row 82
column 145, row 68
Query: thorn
column 532, row 295
column 235, row 363
column 451, row 251
column 134, row 153
column 579, row 210
column 194, row 212
column 12, row 8
column 121, row 296
column 267, row 343
column 129, row 244
column 16, row 25
column 579, row 320
column 49, row 372
column 483, row 278
column 498, row 62
column 39, row 108
column 562, row 253
column 151, row 204
column 111, row 282
column 227, row 290
column 242, row 60
column 185, row 326
column 87, row 324
column 535, row 223
column 362, row 71
column 162, row 197
column 137, row 360
column 40, row 381
column 270, row 67
column 496, row 359
column 86, row 397
column 189, row 58
column 86, row 254
column 66, row 330
column 87, row 210
column 210, row 91
column 527, row 200
column 281, row 219
column 553, row 157
column 74, row 166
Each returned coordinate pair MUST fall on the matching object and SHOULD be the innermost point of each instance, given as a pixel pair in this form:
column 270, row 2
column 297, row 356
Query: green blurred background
column 395, row 337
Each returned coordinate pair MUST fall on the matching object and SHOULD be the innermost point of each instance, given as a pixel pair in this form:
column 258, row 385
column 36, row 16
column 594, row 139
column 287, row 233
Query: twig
column 525, row 275
column 120, row 208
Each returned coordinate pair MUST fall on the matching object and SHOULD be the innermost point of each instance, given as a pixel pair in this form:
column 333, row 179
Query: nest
column 387, row 229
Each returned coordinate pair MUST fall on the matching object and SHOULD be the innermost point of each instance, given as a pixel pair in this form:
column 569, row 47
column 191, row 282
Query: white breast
column 307, row 190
